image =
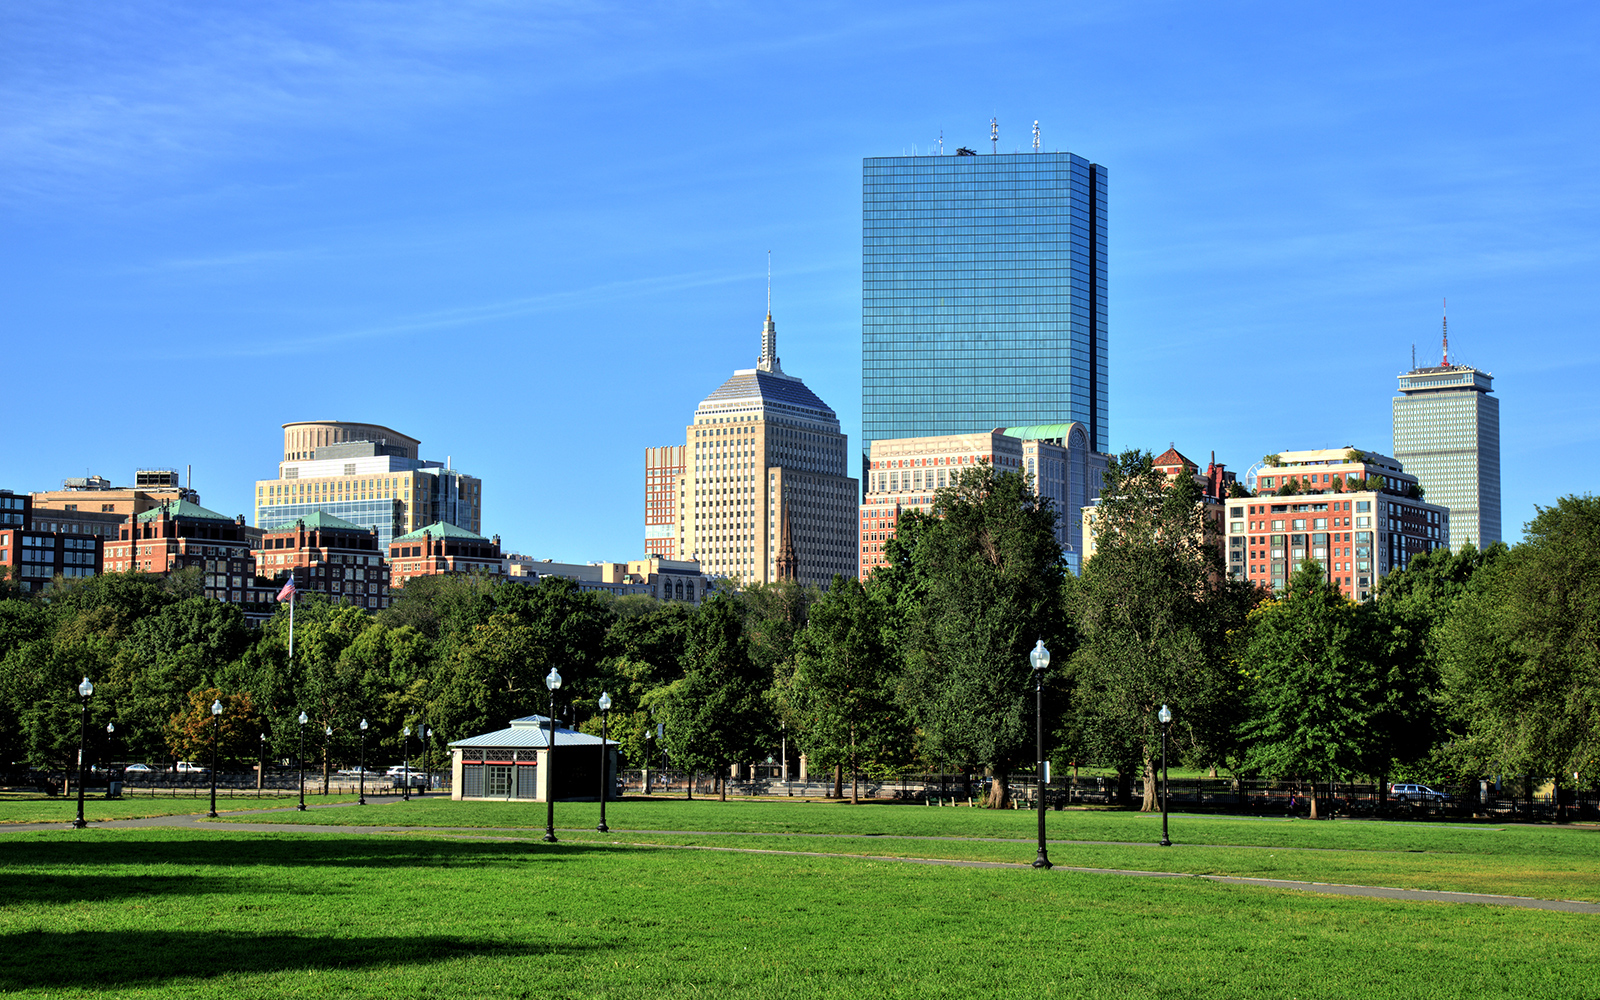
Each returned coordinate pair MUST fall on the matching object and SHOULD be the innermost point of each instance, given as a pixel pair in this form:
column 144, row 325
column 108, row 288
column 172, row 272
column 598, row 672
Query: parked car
column 1416, row 793
column 185, row 767
column 139, row 769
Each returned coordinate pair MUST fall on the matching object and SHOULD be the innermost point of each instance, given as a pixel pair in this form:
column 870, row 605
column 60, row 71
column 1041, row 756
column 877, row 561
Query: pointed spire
column 788, row 567
column 1444, row 314
column 768, row 362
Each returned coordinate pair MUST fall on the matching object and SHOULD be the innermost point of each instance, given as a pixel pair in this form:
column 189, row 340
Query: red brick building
column 443, row 548
column 663, row 473
column 183, row 535
column 328, row 556
column 35, row 558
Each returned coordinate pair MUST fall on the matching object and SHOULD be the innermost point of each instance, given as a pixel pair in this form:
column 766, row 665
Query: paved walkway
column 196, row 821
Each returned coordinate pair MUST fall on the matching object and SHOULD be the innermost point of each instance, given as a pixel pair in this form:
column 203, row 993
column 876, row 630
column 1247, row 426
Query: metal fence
column 230, row 784
column 1239, row 796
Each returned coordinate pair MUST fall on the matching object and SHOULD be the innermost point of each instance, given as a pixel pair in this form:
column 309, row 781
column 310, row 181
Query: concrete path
column 200, row 822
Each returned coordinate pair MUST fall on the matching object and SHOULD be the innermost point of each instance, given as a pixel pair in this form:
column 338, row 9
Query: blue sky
column 535, row 235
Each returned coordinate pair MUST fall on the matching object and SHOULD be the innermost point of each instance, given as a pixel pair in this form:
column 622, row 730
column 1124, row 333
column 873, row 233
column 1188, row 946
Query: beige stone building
column 94, row 506
column 766, row 493
column 904, row 474
column 663, row 579
column 367, row 475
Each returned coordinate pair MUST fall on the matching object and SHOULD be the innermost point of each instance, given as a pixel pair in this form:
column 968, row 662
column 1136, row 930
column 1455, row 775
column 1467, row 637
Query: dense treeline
column 1470, row 664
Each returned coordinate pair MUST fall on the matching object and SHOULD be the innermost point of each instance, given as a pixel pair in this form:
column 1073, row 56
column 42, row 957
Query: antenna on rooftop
column 941, row 142
column 769, row 282
column 994, row 134
column 1036, row 135
column 1444, row 316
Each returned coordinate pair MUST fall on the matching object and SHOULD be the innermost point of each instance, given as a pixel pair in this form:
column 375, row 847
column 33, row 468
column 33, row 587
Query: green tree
column 1154, row 612
column 716, row 714
column 970, row 589
column 1520, row 650
column 843, row 691
column 1335, row 691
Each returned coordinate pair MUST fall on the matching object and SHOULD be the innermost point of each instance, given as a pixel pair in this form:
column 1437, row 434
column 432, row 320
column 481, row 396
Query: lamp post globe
column 300, row 758
column 1165, row 718
column 1039, row 658
column 552, row 681
column 605, row 758
column 85, row 692
column 216, row 722
column 361, row 777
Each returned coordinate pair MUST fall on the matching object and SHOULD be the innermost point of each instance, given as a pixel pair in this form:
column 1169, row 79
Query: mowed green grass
column 1510, row 859
column 220, row 912
column 63, row 809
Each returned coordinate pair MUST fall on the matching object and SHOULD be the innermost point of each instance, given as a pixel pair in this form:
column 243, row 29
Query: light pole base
column 1042, row 861
column 549, row 836
column 79, row 823
column 301, row 807
column 1165, row 842
column 602, row 828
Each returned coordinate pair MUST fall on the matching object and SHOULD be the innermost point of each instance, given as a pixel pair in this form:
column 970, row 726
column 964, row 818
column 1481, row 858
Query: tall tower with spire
column 1447, row 434
column 765, row 493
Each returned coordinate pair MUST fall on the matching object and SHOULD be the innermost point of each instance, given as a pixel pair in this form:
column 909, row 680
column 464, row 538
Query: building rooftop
column 754, row 384
column 184, row 509
column 531, row 731
column 322, row 520
column 441, row 529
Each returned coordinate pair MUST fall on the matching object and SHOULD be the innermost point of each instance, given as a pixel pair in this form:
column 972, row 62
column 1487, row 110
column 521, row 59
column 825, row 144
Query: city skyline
column 464, row 222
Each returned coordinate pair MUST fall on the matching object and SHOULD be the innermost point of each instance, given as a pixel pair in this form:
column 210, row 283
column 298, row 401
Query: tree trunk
column 1150, row 803
column 1313, row 797
column 688, row 788
column 855, row 776
column 999, row 791
column 838, row 781
column 722, row 785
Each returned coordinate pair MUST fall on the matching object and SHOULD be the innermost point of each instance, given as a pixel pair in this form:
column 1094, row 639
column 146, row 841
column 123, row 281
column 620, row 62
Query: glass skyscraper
column 983, row 294
column 1447, row 434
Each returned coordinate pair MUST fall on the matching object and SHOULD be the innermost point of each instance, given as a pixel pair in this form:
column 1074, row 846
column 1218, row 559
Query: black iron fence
column 1228, row 795
column 118, row 783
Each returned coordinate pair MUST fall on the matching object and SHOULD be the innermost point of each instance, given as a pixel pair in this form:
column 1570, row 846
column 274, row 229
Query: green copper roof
column 442, row 530
column 186, row 510
column 320, row 519
column 1042, row 432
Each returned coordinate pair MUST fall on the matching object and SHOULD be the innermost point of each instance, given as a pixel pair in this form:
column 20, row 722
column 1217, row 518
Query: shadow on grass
column 93, row 959
column 45, row 868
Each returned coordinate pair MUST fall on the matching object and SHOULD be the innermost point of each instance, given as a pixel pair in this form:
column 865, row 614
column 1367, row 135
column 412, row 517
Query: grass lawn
column 63, row 809
column 1542, row 861
column 236, row 914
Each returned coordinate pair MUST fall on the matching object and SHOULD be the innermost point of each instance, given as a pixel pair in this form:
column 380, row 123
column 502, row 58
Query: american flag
column 288, row 591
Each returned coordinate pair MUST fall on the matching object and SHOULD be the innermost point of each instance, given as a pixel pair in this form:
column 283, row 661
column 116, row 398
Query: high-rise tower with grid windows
column 983, row 294
column 1447, row 434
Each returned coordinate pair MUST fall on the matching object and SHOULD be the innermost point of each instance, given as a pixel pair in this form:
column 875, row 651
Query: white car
column 139, row 769
column 184, row 767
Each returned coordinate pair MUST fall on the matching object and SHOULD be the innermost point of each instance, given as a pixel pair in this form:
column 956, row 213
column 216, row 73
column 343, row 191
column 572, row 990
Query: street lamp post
column 327, row 741
column 552, row 681
column 111, row 727
column 300, row 756
column 1165, row 715
column 261, row 765
column 405, row 768
column 361, row 778
column 216, row 722
column 649, row 755
column 605, row 758
column 85, row 692
column 427, row 758
column 1040, row 658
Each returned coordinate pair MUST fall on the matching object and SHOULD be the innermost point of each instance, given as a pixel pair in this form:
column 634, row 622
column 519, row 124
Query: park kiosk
column 514, row 764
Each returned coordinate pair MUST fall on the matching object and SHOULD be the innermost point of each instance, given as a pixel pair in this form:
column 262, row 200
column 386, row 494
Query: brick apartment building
column 1359, row 514
column 664, row 469
column 327, row 556
column 35, row 557
column 442, row 548
column 183, row 535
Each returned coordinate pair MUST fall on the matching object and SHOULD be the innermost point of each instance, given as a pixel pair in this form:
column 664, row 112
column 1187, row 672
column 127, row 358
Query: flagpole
column 291, row 627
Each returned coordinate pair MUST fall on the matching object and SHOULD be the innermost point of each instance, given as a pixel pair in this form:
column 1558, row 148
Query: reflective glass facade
column 983, row 294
